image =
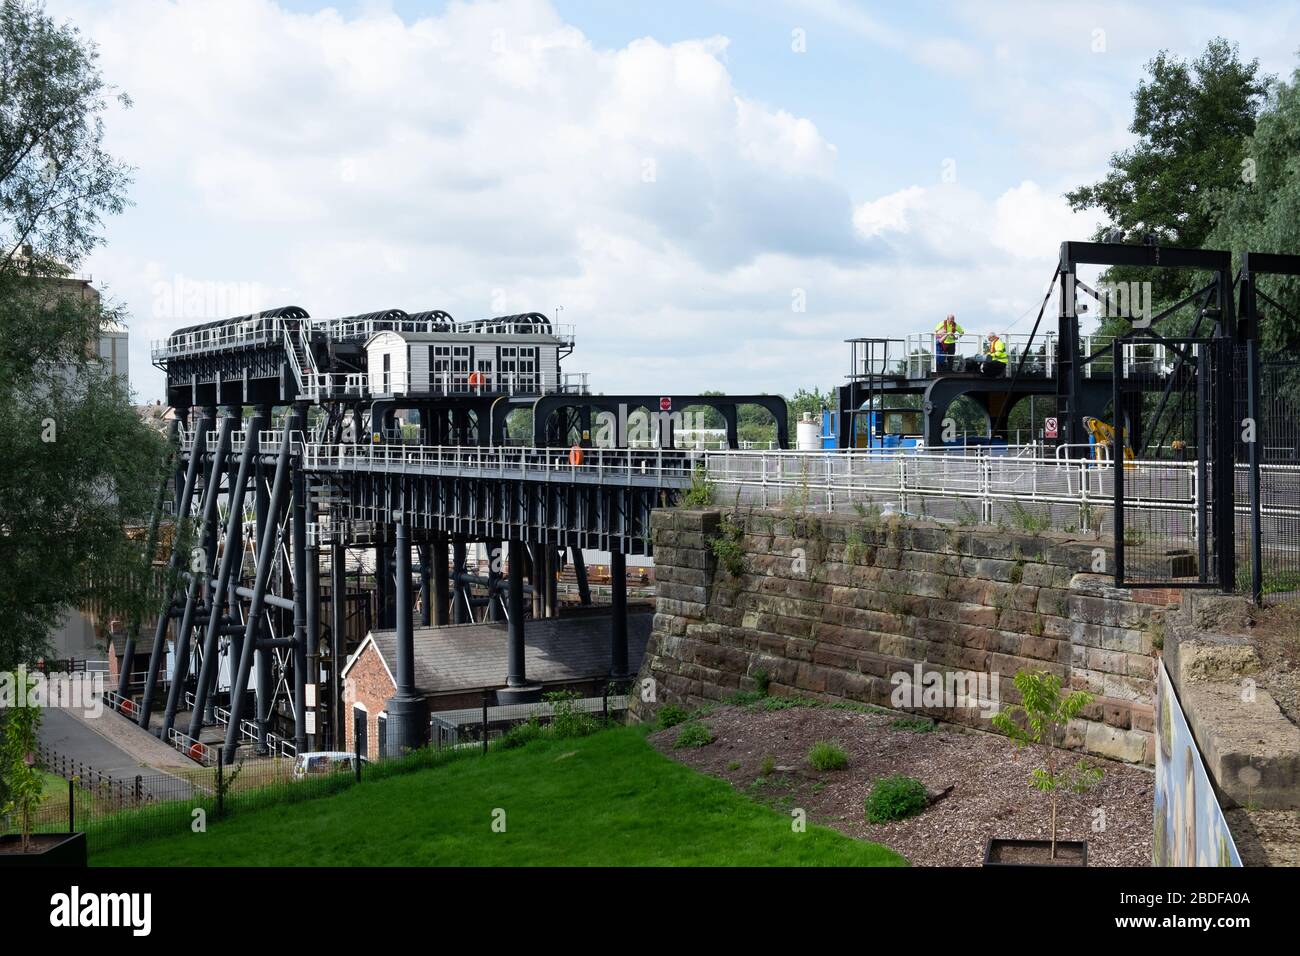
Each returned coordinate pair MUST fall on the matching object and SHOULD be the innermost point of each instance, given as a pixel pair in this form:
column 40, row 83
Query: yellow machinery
column 1103, row 435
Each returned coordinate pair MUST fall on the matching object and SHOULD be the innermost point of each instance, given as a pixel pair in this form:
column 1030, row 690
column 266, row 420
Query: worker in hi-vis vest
column 996, row 353
column 945, row 341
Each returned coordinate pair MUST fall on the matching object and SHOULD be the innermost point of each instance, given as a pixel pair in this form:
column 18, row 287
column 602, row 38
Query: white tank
column 808, row 435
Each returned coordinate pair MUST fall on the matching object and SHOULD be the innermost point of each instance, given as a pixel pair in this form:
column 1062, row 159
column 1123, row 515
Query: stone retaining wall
column 836, row 607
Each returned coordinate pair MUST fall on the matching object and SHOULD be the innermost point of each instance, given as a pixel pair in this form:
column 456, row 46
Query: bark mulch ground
column 990, row 796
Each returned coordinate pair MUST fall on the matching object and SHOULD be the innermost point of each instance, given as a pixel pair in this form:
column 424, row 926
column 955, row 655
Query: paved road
column 75, row 739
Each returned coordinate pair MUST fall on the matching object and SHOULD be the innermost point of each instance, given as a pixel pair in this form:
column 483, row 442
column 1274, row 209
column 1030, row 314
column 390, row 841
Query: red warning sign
column 1049, row 427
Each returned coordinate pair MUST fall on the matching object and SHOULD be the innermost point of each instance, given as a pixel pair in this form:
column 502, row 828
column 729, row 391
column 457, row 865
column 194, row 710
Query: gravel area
column 990, row 793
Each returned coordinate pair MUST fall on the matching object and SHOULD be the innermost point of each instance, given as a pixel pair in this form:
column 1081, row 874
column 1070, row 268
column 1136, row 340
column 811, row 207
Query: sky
column 715, row 193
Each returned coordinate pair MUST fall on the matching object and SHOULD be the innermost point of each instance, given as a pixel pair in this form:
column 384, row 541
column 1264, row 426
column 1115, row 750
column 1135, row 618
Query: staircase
column 297, row 346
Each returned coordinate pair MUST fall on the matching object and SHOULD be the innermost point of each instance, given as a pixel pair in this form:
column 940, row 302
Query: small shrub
column 566, row 720
column 917, row 725
column 700, row 493
column 670, row 715
column 825, row 755
column 762, row 680
column 769, row 765
column 693, row 734
column 743, row 698
column 521, row 735
column 733, row 765
column 895, row 798
column 726, row 548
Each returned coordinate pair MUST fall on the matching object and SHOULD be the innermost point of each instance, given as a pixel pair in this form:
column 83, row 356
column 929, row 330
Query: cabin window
column 460, row 365
column 381, row 729
column 440, row 368
column 387, row 388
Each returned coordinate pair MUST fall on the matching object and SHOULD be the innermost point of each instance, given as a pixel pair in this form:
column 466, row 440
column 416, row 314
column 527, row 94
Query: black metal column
column 220, row 590
column 198, row 576
column 459, row 594
column 515, row 676
column 441, row 584
column 580, row 572
column 184, row 497
column 151, row 545
column 338, row 638
column 408, row 713
column 426, row 575
column 618, row 617
column 298, row 526
column 266, row 556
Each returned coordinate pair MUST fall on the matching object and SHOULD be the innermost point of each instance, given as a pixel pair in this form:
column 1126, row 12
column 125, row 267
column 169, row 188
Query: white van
column 323, row 762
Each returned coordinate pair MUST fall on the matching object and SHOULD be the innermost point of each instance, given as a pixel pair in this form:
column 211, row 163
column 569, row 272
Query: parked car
column 323, row 762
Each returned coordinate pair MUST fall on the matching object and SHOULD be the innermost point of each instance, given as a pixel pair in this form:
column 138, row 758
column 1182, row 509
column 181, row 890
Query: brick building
column 454, row 665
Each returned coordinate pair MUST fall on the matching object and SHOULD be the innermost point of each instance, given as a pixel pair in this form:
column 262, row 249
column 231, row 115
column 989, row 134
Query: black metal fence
column 117, row 810
column 1268, row 487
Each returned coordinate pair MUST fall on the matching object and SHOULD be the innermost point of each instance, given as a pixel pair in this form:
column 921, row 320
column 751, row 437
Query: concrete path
column 112, row 745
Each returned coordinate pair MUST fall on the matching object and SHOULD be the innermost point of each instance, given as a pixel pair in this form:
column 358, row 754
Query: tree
column 19, row 773
column 79, row 464
column 1045, row 713
column 1192, row 121
column 1261, row 209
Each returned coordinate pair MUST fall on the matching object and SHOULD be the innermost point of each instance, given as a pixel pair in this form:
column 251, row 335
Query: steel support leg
column 151, row 545
column 266, row 549
column 515, row 676
column 408, row 714
column 441, row 585
column 157, row 655
column 297, row 425
column 459, row 608
column 580, row 572
column 618, row 619
column 229, row 557
column 338, row 638
column 198, row 577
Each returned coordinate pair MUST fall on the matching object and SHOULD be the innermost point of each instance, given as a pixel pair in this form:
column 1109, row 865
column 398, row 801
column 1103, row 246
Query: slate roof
column 560, row 649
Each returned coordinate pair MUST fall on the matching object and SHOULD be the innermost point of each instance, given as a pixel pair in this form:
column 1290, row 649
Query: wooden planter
column 1035, row 853
column 47, row 849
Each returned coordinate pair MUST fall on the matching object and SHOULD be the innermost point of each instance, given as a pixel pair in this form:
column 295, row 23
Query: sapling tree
column 1042, row 712
column 18, row 764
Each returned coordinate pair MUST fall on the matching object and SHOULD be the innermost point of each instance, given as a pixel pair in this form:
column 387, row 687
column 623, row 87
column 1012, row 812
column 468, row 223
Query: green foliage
column 762, row 680
column 624, row 804
column 768, row 766
column 727, row 549
column 1026, row 518
column 693, row 734
column 1192, row 121
column 24, row 783
column 566, row 719
column 670, row 715
column 520, row 735
column 744, row 698
column 917, row 725
column 895, row 798
column 1040, row 717
column 825, row 755
column 700, row 493
column 78, row 462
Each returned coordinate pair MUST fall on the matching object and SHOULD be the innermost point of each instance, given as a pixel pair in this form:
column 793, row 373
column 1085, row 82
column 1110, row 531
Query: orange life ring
column 575, row 456
column 476, row 379
column 197, row 752
column 128, row 707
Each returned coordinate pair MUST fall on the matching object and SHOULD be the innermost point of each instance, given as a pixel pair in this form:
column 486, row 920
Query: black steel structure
column 313, row 459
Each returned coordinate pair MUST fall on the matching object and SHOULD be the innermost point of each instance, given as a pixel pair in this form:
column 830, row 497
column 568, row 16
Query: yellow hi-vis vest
column 947, row 336
column 998, row 351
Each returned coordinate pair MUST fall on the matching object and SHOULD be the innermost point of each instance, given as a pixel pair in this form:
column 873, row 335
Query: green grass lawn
column 604, row 800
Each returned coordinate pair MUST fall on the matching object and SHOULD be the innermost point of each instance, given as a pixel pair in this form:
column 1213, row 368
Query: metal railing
column 241, row 335
column 650, row 466
column 326, row 385
column 362, row 329
column 923, row 359
column 979, row 488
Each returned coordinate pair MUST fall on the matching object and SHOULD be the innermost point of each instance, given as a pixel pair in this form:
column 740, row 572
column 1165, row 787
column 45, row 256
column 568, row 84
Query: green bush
column 566, row 720
column 693, row 734
column 825, row 755
column 895, row 798
column 522, row 734
column 917, row 725
column 670, row 715
column 762, row 680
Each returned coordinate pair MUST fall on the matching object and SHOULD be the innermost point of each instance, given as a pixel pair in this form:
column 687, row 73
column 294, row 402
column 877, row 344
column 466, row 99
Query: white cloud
column 492, row 157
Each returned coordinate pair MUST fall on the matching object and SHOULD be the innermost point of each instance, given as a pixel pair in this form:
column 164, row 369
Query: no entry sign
column 1049, row 428
column 665, row 404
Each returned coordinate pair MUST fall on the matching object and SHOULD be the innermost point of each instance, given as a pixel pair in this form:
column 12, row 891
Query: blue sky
column 678, row 175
